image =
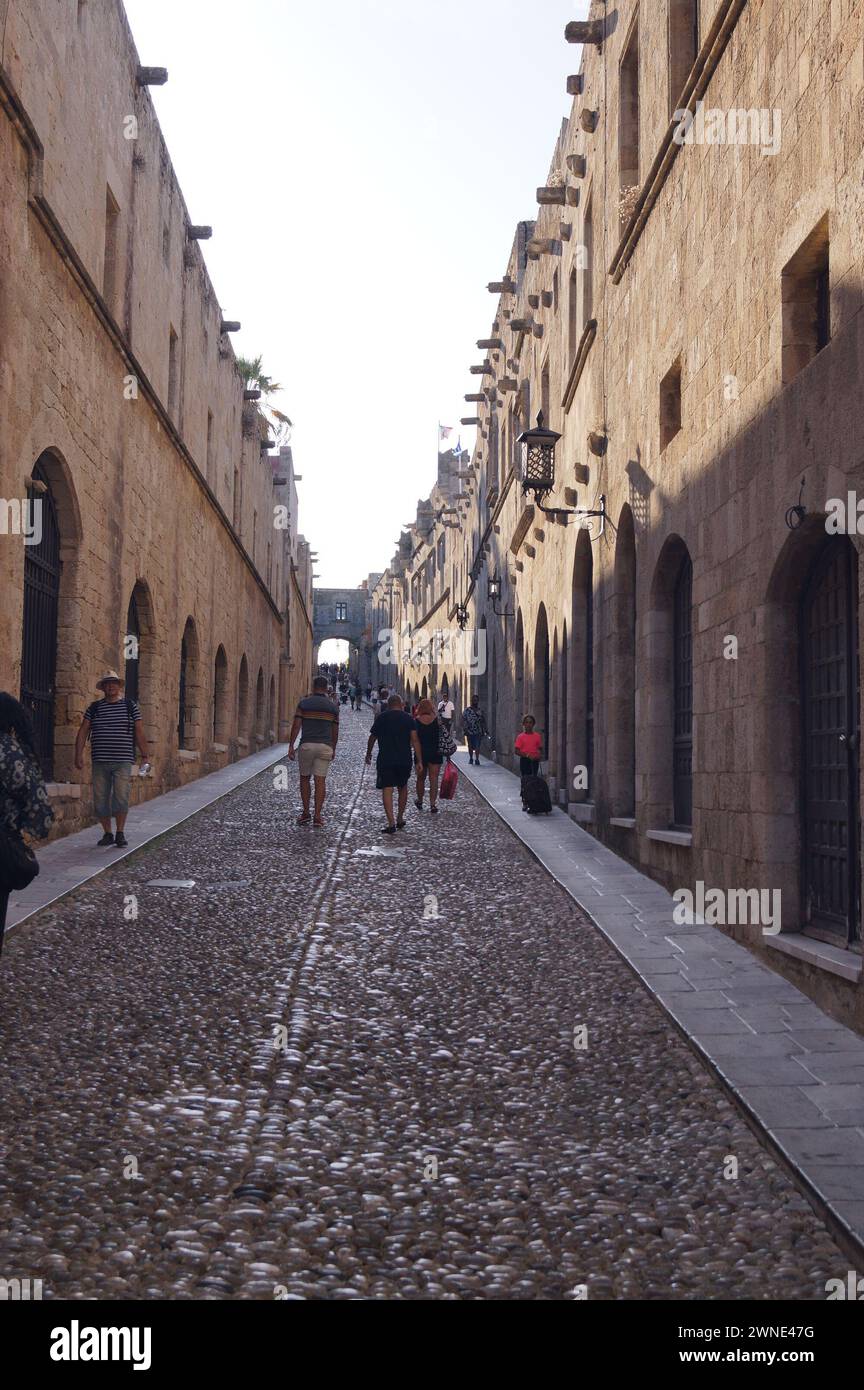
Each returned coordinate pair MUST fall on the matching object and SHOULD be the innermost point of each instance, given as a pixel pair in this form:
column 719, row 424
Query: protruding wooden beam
column 551, row 194
column 578, row 165
column 565, row 230
column 572, row 197
column 199, row 233
column 502, row 287
column 484, row 370
column 521, row 325
column 575, row 84
column 470, row 420
column 546, row 298
column 477, row 396
column 585, row 31
column 589, row 120
column 534, row 301
column 490, row 344
column 508, row 383
column 151, row 77
column 537, row 330
column 230, row 326
column 252, row 394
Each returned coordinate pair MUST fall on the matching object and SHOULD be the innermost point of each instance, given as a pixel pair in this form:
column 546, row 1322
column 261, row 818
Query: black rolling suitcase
column 535, row 796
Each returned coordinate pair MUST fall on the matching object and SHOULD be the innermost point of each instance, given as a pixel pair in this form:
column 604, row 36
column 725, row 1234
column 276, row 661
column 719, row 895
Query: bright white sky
column 364, row 164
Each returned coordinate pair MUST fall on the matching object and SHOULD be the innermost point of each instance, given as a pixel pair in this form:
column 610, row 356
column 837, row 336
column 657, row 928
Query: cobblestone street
column 426, row 1128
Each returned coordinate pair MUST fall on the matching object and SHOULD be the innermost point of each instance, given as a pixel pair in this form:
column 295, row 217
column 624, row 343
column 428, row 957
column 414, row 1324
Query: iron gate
column 831, row 735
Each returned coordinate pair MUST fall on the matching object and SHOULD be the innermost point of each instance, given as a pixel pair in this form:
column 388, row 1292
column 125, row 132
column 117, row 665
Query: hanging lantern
column 538, row 459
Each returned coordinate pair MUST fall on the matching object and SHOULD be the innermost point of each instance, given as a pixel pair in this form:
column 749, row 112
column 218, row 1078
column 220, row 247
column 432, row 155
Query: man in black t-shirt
column 396, row 735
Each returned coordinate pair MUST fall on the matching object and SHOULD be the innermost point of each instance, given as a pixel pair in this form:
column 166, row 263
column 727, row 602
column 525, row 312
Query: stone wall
column 120, row 383
column 696, row 284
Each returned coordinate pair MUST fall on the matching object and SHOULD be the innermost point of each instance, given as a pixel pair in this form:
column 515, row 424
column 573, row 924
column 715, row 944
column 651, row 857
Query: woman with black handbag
column 24, row 804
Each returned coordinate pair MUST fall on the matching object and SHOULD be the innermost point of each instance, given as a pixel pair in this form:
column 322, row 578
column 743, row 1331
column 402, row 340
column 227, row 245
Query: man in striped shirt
column 114, row 727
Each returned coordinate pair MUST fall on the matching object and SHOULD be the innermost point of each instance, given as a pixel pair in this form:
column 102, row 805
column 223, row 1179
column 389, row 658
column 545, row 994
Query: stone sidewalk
column 65, row 864
column 797, row 1072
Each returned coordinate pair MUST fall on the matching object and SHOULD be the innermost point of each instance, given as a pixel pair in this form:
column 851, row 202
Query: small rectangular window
column 683, row 46
column 628, row 121
column 806, row 297
column 587, row 256
column 670, row 404
column 173, row 373
column 573, row 329
column 112, row 237
column 341, row 612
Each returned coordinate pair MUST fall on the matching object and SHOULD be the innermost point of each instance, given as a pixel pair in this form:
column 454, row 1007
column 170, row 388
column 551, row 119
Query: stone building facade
column 168, row 532
column 683, row 305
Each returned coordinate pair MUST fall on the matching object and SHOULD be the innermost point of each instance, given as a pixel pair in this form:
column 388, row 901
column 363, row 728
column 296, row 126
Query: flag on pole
column 444, row 432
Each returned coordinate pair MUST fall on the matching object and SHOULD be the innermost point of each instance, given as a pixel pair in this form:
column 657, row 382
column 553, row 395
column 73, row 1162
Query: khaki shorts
column 315, row 759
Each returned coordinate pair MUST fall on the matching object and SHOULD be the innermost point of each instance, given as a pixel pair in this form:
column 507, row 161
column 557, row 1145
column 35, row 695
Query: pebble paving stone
column 247, row 1091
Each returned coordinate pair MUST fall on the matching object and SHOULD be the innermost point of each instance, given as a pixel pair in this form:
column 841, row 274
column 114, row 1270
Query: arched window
column 220, row 697
column 41, row 605
column 682, row 684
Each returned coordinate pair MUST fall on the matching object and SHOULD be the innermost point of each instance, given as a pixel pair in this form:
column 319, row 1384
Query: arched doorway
column 682, row 685
column 581, row 683
column 140, row 647
column 243, row 698
column 259, row 704
column 220, row 697
column 563, row 690
column 622, row 696
column 188, row 701
column 42, row 572
column 830, row 733
column 666, row 695
column 519, row 678
column 540, row 688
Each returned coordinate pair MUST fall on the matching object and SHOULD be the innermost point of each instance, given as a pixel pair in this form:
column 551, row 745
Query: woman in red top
column 529, row 746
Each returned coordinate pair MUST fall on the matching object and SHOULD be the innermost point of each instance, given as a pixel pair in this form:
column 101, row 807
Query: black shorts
column 432, row 760
column 393, row 776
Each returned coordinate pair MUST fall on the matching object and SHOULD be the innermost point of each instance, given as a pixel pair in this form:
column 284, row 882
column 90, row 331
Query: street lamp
column 493, row 590
column 538, row 471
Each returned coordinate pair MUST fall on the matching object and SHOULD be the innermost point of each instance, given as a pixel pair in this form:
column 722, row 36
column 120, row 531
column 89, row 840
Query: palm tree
column 255, row 379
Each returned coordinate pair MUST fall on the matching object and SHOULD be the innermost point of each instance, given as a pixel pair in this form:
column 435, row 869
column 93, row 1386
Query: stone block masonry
column 699, row 356
column 122, row 416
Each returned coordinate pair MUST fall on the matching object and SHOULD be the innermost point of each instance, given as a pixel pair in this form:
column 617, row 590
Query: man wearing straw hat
column 113, row 725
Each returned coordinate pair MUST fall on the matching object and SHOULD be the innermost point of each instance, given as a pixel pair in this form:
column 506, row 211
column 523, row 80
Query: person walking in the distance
column 115, row 729
column 396, row 735
column 24, row 803
column 474, row 724
column 317, row 718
